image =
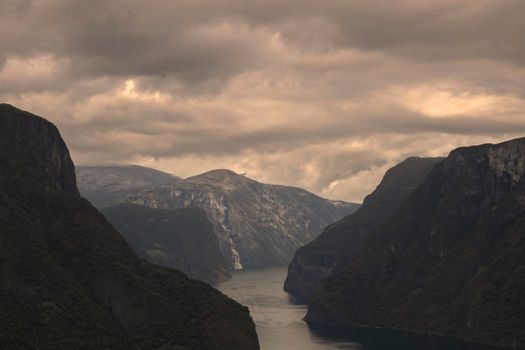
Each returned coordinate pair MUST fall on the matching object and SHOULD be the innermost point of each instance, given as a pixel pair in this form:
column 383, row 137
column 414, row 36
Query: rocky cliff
column 335, row 248
column 451, row 261
column 257, row 225
column 178, row 238
column 67, row 278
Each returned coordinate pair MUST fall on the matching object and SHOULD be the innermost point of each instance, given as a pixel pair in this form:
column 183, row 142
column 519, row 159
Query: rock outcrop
column 336, row 247
column 178, row 238
column 68, row 280
column 451, row 261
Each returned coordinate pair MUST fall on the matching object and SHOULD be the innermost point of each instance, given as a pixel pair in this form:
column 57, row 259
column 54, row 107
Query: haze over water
column 280, row 326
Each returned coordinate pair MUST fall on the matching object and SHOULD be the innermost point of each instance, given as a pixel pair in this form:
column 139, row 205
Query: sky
column 320, row 94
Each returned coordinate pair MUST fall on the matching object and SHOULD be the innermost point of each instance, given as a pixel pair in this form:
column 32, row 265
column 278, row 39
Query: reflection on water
column 280, row 326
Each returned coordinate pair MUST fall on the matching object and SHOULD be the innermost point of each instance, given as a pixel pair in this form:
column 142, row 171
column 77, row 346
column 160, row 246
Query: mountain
column 179, row 238
column 257, row 225
column 103, row 185
column 451, row 261
column 338, row 244
column 69, row 281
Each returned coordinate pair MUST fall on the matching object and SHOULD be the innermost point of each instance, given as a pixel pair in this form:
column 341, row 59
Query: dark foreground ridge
column 67, row 278
column 452, row 259
column 336, row 247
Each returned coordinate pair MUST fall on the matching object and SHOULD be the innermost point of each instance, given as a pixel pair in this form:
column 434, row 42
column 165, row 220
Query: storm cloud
column 324, row 95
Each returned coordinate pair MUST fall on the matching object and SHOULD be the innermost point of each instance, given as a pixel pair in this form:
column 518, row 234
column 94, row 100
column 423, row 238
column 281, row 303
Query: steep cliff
column 335, row 248
column 451, row 261
column 178, row 238
column 257, row 225
column 67, row 278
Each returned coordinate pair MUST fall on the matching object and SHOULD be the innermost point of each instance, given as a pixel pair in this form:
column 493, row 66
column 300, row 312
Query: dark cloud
column 325, row 95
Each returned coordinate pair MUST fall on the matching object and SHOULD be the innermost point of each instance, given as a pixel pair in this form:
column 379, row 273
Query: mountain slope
column 451, row 261
column 67, row 278
column 103, row 185
column 180, row 238
column 257, row 225
column 335, row 248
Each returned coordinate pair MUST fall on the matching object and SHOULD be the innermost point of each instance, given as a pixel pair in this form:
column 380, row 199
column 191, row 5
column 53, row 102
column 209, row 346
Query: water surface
column 279, row 323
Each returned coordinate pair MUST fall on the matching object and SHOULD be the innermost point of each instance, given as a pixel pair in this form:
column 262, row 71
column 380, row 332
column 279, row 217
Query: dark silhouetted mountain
column 335, row 248
column 451, row 261
column 179, row 238
column 257, row 225
column 104, row 185
column 68, row 280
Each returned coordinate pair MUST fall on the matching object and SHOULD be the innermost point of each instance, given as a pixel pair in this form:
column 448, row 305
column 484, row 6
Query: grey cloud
column 319, row 94
column 167, row 134
column 184, row 38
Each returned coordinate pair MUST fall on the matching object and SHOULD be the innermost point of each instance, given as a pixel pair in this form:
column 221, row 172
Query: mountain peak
column 220, row 176
column 220, row 172
column 31, row 143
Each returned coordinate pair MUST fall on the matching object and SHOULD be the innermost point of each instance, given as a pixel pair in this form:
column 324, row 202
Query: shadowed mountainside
column 69, row 281
column 178, row 238
column 451, row 261
column 335, row 248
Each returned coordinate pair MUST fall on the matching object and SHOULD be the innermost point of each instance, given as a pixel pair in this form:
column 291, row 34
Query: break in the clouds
column 324, row 95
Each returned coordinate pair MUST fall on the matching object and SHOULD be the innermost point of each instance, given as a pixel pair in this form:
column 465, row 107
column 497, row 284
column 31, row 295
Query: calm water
column 280, row 326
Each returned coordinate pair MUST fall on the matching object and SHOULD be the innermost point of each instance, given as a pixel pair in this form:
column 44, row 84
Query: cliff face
column 452, row 259
column 180, row 238
column 37, row 139
column 257, row 225
column 67, row 278
column 336, row 247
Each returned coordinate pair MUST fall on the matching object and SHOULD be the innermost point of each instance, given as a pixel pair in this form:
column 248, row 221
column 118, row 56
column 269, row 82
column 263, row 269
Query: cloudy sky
column 322, row 94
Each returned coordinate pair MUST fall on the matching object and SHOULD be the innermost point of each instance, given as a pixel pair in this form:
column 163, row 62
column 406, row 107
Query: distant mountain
column 104, row 185
column 451, row 260
column 179, row 238
column 257, row 225
column 336, row 247
column 69, row 281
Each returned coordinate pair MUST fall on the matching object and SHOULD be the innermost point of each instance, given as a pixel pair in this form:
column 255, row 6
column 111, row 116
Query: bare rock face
column 340, row 242
column 257, row 225
column 69, row 281
column 182, row 239
column 451, row 260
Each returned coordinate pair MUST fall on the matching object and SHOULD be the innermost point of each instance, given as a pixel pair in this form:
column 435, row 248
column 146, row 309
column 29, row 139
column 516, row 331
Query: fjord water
column 280, row 326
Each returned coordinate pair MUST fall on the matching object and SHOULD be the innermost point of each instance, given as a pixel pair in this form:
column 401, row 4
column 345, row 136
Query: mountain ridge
column 452, row 259
column 335, row 247
column 102, row 185
column 68, row 280
column 258, row 225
